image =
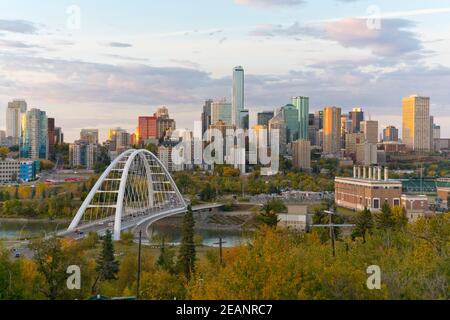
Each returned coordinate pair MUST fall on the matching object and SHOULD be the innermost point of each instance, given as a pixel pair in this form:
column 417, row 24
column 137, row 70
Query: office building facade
column 416, row 129
column 238, row 95
column 302, row 105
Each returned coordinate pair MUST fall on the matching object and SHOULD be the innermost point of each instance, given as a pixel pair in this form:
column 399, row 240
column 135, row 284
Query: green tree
column 384, row 219
column 107, row 266
column 51, row 264
column 187, row 254
column 165, row 259
column 268, row 218
column 207, row 193
column 363, row 224
column 275, row 205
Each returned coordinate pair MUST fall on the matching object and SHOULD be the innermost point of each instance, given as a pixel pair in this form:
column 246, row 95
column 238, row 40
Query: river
column 210, row 237
column 14, row 229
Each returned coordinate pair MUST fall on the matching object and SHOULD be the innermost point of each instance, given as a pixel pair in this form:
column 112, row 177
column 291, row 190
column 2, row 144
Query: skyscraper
column 221, row 111
column 290, row 115
column 278, row 123
column 302, row 105
column 264, row 118
column 244, row 120
column 164, row 123
column 238, row 95
column 147, row 129
column 301, row 154
column 206, row 115
column 416, row 123
column 331, row 130
column 35, row 135
column 83, row 154
column 89, row 135
column 119, row 139
column 390, row 133
column 370, row 130
column 51, row 138
column 356, row 116
column 15, row 116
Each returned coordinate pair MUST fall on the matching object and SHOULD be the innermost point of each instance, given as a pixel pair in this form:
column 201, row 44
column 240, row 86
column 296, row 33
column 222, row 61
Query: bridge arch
column 135, row 187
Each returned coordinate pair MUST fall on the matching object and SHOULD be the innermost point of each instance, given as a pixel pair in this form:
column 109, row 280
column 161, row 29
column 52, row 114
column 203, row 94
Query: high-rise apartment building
column 301, row 154
column 35, row 135
column 356, row 116
column 89, row 135
column 416, row 123
column 302, row 105
column 390, row 133
column 221, row 111
column 15, row 116
column 82, row 153
column 370, row 130
column 331, row 130
column 238, row 95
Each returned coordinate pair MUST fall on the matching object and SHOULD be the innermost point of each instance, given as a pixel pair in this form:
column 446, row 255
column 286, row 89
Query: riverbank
column 33, row 220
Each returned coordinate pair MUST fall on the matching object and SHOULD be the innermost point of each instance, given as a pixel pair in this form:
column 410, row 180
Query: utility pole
column 139, row 266
column 331, row 226
column 221, row 243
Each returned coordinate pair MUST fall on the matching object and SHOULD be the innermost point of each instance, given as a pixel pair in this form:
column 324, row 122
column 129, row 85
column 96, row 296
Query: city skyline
column 110, row 71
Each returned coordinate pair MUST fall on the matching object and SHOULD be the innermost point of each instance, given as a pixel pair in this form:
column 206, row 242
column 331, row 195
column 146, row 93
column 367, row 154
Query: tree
column 3, row 153
column 363, row 224
column 268, row 218
column 275, row 205
column 384, row 219
column 207, row 193
column 399, row 216
column 51, row 264
column 107, row 266
column 187, row 254
column 153, row 148
column 165, row 259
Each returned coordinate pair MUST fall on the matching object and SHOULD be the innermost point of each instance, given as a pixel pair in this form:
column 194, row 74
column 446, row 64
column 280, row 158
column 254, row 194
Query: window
column 376, row 203
column 396, row 202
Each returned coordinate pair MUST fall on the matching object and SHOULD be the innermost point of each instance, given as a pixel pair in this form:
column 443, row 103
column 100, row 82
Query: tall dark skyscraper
column 51, row 138
column 356, row 116
column 264, row 118
column 206, row 115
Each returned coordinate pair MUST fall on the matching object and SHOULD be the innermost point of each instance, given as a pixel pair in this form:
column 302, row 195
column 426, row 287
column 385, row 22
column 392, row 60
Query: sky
column 103, row 63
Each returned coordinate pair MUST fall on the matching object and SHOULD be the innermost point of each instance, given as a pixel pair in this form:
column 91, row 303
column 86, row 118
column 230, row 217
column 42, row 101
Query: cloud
column 269, row 3
column 186, row 63
column 118, row 45
column 393, row 39
column 18, row 26
column 11, row 44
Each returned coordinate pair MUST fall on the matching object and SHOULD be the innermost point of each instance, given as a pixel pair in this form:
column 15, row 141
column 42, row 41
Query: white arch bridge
column 133, row 192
